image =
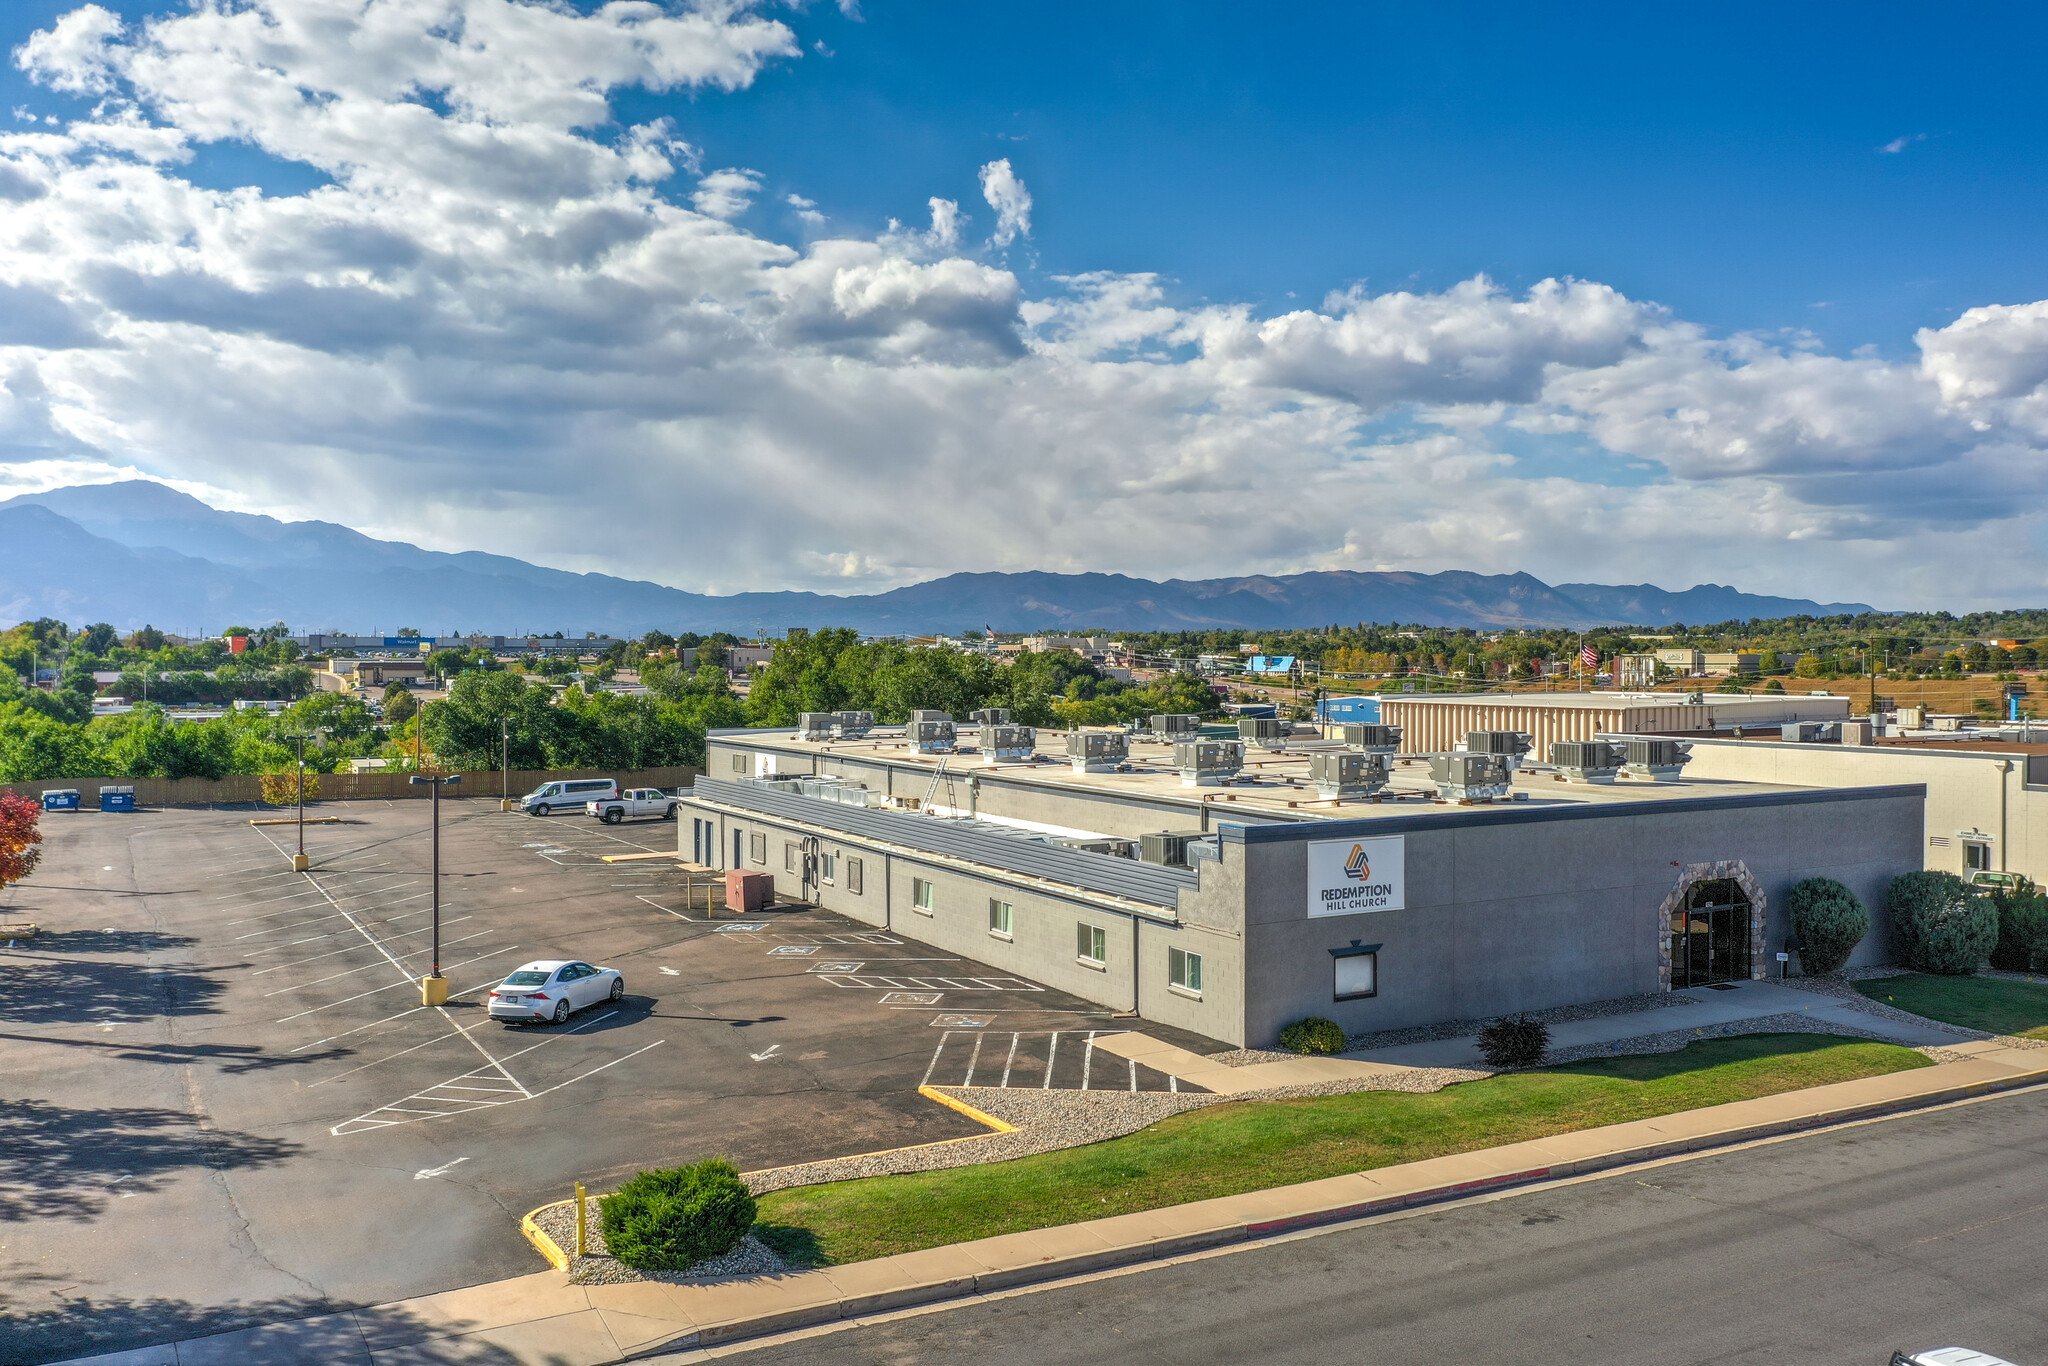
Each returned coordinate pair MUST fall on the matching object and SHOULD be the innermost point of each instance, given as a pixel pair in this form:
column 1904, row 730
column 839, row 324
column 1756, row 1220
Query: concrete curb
column 546, row 1246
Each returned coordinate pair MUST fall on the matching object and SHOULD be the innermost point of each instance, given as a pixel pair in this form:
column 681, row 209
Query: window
column 1000, row 918
column 739, row 763
column 1091, row 943
column 760, row 847
column 1184, row 971
column 828, row 869
column 789, row 857
column 1355, row 972
column 1976, row 856
column 853, row 876
column 920, row 895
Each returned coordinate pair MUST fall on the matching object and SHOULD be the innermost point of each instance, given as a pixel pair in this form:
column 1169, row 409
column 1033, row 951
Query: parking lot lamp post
column 505, row 761
column 434, row 987
column 300, row 863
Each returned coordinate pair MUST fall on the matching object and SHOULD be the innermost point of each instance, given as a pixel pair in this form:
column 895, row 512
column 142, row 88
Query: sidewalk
column 543, row 1319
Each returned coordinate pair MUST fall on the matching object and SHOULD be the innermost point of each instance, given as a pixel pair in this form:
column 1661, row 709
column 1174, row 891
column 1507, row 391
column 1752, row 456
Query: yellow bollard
column 582, row 1227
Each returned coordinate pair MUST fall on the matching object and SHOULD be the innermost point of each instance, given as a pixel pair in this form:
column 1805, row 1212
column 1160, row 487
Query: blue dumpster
column 117, row 799
column 65, row 799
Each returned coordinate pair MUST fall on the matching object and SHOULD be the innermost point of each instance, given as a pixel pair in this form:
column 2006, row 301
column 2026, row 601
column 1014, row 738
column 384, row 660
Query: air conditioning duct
column 1469, row 777
column 1655, row 760
column 1346, row 773
column 1208, row 763
column 1097, row 751
column 999, row 742
column 1586, row 761
column 1371, row 739
column 1267, row 732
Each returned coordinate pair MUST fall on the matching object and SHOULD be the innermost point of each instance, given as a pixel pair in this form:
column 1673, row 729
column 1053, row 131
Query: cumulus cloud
column 1898, row 145
column 1006, row 194
column 491, row 286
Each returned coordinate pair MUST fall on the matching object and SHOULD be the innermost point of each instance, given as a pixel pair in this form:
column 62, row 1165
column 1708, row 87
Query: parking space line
column 972, row 1059
column 1087, row 1060
column 408, row 982
column 1007, row 1062
column 933, row 1065
column 335, row 976
column 300, row 962
column 1050, row 1053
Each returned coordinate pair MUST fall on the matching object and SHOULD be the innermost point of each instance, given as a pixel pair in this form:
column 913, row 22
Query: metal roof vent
column 1346, row 773
column 1510, row 745
column 817, row 725
column 932, row 736
column 990, row 716
column 1267, row 732
column 1097, row 751
column 1469, row 777
column 1586, row 761
column 1371, row 739
column 1208, row 763
column 854, row 724
column 1171, row 728
column 1000, row 742
column 1658, row 761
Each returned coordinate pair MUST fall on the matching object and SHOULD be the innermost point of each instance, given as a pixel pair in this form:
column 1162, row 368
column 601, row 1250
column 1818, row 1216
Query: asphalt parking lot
column 223, row 1102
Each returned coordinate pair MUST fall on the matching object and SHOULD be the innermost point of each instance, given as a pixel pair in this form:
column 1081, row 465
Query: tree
column 98, row 638
column 281, row 788
column 1829, row 923
column 2022, row 928
column 148, row 638
column 20, row 840
column 1939, row 925
column 399, row 704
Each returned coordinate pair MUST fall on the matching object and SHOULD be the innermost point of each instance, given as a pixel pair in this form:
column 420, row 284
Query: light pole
column 300, row 863
column 434, row 987
column 505, row 762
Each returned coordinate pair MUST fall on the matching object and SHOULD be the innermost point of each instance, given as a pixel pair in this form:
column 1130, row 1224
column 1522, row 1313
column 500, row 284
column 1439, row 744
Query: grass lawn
column 1992, row 1004
column 1227, row 1149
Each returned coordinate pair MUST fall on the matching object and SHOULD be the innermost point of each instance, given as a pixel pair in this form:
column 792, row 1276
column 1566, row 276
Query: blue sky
column 1766, row 203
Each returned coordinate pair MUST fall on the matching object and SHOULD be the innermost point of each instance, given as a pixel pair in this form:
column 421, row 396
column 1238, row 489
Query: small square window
column 1001, row 919
column 853, row 876
column 760, row 847
column 1184, row 971
column 1355, row 972
column 828, row 869
column 739, row 763
column 920, row 895
column 789, row 857
column 1091, row 943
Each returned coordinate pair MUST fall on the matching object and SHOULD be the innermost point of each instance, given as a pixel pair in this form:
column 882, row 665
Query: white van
column 568, row 794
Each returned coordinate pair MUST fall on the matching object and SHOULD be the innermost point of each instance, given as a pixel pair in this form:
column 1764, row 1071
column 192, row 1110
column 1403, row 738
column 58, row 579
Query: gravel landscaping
column 1459, row 1029
column 751, row 1258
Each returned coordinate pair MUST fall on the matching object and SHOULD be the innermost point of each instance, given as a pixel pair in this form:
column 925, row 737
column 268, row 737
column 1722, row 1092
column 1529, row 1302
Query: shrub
column 2022, row 929
column 282, row 788
column 1828, row 921
column 668, row 1219
column 1514, row 1041
column 1939, row 925
column 1313, row 1035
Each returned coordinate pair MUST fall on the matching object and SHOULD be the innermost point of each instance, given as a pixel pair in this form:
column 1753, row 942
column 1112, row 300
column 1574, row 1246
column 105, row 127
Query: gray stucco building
column 1379, row 912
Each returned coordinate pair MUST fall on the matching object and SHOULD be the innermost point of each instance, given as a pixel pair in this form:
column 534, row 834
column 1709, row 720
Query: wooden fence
column 242, row 789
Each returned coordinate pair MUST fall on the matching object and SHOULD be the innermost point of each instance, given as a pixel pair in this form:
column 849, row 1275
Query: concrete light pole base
column 433, row 991
column 301, row 862
column 507, row 804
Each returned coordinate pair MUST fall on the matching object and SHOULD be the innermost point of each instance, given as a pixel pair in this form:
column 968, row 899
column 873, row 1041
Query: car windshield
column 527, row 979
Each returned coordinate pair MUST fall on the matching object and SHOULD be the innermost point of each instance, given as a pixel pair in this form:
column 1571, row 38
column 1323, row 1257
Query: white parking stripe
column 408, row 982
column 336, row 976
column 298, row 962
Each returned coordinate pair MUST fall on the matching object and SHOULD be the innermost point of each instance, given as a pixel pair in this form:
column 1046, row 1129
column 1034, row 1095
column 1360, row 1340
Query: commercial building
column 1441, row 722
column 1304, row 879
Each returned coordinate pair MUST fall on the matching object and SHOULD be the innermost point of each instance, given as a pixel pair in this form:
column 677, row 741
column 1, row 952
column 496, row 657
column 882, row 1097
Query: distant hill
column 140, row 553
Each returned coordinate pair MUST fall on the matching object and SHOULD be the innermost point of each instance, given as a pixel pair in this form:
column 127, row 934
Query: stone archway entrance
column 1712, row 927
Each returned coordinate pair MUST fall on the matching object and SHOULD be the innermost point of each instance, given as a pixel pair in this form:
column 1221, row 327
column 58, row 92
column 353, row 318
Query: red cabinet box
column 748, row 891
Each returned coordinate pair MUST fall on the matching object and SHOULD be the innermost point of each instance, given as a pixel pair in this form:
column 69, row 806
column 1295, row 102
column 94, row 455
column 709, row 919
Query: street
column 1919, row 1231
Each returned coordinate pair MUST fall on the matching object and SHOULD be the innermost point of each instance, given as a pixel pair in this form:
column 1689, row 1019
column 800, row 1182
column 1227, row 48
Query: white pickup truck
column 634, row 801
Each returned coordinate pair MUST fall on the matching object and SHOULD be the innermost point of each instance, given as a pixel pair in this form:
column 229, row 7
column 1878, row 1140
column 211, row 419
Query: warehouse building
column 1440, row 722
column 1231, row 889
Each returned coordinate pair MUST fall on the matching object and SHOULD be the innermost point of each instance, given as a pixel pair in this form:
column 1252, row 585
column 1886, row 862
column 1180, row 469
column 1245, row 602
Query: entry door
column 1710, row 935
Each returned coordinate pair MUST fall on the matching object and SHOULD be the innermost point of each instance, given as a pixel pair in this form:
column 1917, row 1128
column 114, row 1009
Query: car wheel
column 669, row 814
column 541, row 810
column 618, row 988
column 561, row 1012
column 614, row 816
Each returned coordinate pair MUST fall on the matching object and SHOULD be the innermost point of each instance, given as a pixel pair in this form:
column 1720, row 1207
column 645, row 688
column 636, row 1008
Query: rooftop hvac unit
column 931, row 716
column 817, row 725
column 1347, row 773
column 1090, row 844
column 1469, row 777
column 1586, row 761
column 1267, row 732
column 1167, row 847
column 1097, row 751
column 1656, row 760
column 1510, row 745
column 1167, row 729
column 990, row 716
column 1208, row 763
column 1007, row 742
column 1372, row 739
column 931, row 736
column 1207, row 847
column 854, row 724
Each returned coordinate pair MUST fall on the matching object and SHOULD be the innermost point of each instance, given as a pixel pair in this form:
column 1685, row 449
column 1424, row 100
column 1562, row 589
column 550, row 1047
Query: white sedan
column 553, row 989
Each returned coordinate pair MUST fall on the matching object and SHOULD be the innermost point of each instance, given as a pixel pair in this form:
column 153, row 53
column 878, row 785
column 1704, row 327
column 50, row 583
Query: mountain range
column 139, row 552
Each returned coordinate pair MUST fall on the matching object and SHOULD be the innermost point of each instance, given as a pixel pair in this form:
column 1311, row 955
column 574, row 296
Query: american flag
column 1589, row 657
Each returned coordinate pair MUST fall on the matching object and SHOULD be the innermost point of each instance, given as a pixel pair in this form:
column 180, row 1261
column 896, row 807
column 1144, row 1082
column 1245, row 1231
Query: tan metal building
column 1435, row 724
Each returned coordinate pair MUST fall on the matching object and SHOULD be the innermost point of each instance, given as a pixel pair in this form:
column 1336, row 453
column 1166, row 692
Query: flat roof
column 1279, row 786
column 1610, row 700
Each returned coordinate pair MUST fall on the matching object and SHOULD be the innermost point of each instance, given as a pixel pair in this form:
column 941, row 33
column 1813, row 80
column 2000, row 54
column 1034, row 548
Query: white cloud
column 1011, row 201
column 1898, row 145
column 494, row 305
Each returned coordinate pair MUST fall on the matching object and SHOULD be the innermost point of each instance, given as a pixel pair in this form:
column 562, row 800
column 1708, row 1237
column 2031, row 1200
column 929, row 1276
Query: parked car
column 553, row 989
column 566, row 795
column 1947, row 1356
column 1998, row 882
column 634, row 801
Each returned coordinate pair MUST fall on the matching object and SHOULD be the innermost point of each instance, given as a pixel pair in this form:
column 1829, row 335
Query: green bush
column 1939, row 925
column 2022, row 929
column 1514, row 1041
column 1828, row 921
column 669, row 1219
column 1313, row 1035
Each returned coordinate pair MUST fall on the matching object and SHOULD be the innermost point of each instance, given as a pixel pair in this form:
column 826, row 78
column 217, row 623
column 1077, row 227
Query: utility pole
column 300, row 862
column 434, row 987
column 505, row 761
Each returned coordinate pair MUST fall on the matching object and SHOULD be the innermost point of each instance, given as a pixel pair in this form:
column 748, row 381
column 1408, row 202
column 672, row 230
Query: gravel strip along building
column 1231, row 896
